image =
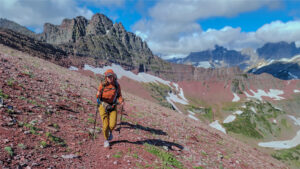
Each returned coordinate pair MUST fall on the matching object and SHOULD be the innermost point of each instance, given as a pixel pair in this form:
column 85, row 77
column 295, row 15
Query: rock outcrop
column 32, row 46
column 7, row 24
column 275, row 51
column 101, row 39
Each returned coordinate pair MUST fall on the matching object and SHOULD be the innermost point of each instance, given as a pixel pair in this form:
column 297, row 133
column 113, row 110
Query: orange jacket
column 109, row 93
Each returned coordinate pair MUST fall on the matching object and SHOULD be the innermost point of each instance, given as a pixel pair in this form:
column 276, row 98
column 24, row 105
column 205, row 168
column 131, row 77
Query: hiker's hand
column 98, row 101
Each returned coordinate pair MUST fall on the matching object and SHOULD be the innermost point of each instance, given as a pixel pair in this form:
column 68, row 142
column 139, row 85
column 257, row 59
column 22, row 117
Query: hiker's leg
column 112, row 120
column 104, row 118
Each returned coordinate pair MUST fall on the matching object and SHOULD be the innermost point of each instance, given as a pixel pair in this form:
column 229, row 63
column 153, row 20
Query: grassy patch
column 33, row 130
column 10, row 81
column 44, row 144
column 22, row 146
column 207, row 113
column 91, row 120
column 119, row 154
column 9, row 150
column 29, row 73
column 290, row 156
column 2, row 95
column 256, row 121
column 55, row 139
column 168, row 160
column 159, row 92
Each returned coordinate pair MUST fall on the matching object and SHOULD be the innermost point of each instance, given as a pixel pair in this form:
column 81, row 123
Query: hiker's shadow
column 155, row 142
column 139, row 127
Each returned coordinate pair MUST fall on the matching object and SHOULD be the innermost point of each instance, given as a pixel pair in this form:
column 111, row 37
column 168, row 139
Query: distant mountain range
column 218, row 57
column 250, row 61
column 285, row 69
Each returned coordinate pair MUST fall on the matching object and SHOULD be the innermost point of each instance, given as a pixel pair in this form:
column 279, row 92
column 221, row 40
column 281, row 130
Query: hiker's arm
column 120, row 98
column 98, row 92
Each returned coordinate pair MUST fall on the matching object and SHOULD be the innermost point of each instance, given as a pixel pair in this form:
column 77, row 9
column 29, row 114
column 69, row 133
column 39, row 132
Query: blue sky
column 174, row 28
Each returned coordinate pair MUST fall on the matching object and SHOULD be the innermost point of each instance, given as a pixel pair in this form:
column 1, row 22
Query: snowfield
column 296, row 91
column 217, row 126
column 236, row 98
column 238, row 112
column 204, row 64
column 193, row 117
column 273, row 94
column 286, row 143
column 73, row 68
column 174, row 98
column 253, row 109
column 229, row 119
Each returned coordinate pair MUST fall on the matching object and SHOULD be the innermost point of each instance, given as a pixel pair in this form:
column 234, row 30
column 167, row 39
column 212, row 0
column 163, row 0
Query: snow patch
column 73, row 68
column 229, row 119
column 217, row 126
column 275, row 121
column 238, row 112
column 236, row 98
column 296, row 120
column 253, row 109
column 286, row 143
column 175, row 98
column 293, row 76
column 273, row 93
column 296, row 91
column 282, row 144
column 204, row 64
column 193, row 117
column 192, row 113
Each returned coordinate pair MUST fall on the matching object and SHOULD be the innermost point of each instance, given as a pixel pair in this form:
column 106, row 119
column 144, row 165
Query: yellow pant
column 109, row 120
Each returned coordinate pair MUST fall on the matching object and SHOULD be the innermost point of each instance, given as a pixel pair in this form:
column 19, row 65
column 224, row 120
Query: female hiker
column 108, row 96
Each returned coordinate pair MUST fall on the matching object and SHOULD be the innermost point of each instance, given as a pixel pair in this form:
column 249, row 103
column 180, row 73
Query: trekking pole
column 122, row 109
column 95, row 121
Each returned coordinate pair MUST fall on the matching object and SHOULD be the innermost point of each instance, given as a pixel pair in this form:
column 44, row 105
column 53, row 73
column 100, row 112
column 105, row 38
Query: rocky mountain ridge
column 245, row 59
column 100, row 40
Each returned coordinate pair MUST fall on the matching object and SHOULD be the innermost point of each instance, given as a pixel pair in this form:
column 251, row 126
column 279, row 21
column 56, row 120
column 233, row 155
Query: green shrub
column 159, row 92
column 43, row 144
column 55, row 139
column 2, row 95
column 291, row 155
column 91, row 120
column 22, row 146
column 9, row 150
column 166, row 158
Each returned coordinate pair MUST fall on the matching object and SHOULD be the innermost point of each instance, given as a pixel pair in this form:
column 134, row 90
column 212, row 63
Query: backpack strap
column 117, row 90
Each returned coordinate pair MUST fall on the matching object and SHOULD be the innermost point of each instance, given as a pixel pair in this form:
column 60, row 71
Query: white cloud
column 190, row 10
column 173, row 29
column 279, row 31
column 34, row 13
column 101, row 3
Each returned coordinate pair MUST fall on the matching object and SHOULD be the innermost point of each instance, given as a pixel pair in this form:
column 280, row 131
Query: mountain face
column 219, row 57
column 101, row 39
column 7, row 24
column 33, row 47
column 275, row 51
column 285, row 69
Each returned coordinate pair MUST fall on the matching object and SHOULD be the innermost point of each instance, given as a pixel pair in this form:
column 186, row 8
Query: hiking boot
column 106, row 144
column 110, row 137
